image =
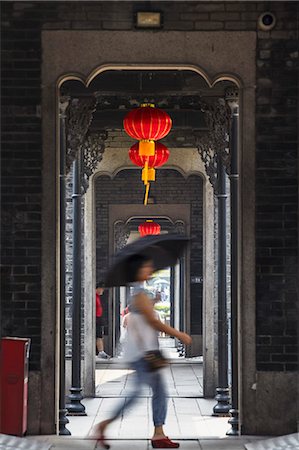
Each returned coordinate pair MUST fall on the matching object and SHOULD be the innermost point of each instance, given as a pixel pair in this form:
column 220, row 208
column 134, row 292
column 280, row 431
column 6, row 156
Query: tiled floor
column 70, row 443
column 189, row 415
column 189, row 419
column 184, row 377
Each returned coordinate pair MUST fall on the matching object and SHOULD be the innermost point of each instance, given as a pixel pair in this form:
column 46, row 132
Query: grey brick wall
column 21, row 182
column 276, row 166
column 276, row 203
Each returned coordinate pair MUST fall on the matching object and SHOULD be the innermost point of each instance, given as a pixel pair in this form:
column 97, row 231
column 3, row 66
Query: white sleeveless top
column 141, row 337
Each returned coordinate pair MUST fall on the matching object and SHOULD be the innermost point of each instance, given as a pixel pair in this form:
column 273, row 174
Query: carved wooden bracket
column 121, row 234
column 92, row 153
column 79, row 115
column 215, row 143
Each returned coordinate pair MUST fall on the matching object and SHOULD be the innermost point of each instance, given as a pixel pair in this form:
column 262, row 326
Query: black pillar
column 181, row 349
column 75, row 406
column 234, row 186
column 172, row 288
column 62, row 410
column 222, row 392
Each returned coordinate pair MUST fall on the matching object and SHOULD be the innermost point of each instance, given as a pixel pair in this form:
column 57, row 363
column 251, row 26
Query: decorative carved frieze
column 209, row 158
column 215, row 143
column 217, row 117
column 79, row 116
column 92, row 153
column 121, row 234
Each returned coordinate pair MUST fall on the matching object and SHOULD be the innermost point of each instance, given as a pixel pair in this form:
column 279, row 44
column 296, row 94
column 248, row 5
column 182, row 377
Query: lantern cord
column 146, row 171
column 147, row 186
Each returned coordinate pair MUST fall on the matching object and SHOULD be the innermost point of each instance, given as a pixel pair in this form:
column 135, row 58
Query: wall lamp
column 148, row 19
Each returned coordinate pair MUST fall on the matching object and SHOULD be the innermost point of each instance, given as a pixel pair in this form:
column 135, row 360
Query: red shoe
column 97, row 434
column 102, row 439
column 103, row 442
column 164, row 443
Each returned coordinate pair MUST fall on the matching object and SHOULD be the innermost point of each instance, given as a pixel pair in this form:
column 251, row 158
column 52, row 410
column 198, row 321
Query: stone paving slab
column 128, row 445
column 288, row 442
column 222, row 444
column 184, row 380
column 71, row 443
column 186, row 419
column 68, row 443
column 16, row 443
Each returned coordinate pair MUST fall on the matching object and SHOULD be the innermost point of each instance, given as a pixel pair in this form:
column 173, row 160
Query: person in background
column 126, row 316
column 158, row 298
column 124, row 326
column 125, row 311
column 99, row 323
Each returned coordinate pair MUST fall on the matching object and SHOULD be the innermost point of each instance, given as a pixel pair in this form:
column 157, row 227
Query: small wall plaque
column 197, row 279
column 148, row 19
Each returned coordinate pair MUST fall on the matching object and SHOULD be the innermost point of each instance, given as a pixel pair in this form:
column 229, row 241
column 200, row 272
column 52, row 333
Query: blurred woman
column 142, row 336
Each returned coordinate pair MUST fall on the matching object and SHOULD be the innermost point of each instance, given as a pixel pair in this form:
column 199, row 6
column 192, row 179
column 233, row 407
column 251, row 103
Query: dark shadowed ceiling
column 178, row 92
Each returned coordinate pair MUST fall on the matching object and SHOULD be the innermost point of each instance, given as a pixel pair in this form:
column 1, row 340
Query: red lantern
column 149, row 162
column 149, row 227
column 160, row 157
column 147, row 124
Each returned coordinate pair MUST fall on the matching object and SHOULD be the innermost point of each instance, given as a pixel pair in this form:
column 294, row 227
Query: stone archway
column 79, row 55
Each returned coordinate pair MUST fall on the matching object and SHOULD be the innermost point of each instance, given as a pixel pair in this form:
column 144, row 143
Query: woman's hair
column 134, row 263
column 100, row 284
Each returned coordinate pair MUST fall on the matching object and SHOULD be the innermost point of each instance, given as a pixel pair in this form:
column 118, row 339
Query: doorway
column 219, row 67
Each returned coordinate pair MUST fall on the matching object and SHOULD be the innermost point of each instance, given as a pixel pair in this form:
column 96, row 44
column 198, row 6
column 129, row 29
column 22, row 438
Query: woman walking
column 142, row 337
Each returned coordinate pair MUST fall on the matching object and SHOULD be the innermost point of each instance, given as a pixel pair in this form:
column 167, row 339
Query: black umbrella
column 163, row 249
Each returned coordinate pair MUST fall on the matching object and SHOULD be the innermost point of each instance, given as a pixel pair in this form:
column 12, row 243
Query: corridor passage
column 183, row 380
column 183, row 377
column 189, row 415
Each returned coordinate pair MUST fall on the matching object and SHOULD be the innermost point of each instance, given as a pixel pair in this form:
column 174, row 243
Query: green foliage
column 163, row 308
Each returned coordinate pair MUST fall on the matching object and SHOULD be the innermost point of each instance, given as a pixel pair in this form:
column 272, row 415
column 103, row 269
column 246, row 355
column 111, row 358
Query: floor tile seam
column 199, row 407
column 173, row 379
column 148, row 409
column 192, row 367
column 193, row 438
column 176, row 416
column 122, row 418
column 194, row 397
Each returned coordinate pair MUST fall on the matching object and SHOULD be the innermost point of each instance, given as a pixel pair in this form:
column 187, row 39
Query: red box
column 14, row 358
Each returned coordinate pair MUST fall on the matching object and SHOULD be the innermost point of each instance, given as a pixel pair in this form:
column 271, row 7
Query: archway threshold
column 187, row 418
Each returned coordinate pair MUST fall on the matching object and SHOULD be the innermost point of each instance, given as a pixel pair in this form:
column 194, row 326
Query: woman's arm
column 145, row 307
column 125, row 320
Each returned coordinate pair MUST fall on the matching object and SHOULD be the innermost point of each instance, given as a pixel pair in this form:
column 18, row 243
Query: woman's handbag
column 155, row 360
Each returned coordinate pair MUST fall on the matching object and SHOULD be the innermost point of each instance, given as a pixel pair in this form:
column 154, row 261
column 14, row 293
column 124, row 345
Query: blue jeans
column 156, row 382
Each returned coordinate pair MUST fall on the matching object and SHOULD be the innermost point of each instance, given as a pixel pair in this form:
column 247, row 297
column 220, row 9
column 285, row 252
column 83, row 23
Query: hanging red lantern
column 157, row 160
column 149, row 162
column 147, row 124
column 149, row 227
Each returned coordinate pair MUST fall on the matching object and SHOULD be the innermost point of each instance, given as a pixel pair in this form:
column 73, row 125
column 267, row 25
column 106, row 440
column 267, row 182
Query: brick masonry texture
column 170, row 188
column 276, row 203
column 276, row 154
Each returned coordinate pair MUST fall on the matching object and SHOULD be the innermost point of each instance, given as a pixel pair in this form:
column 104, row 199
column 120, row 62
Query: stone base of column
column 63, row 420
column 234, row 422
column 223, row 402
column 75, row 407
